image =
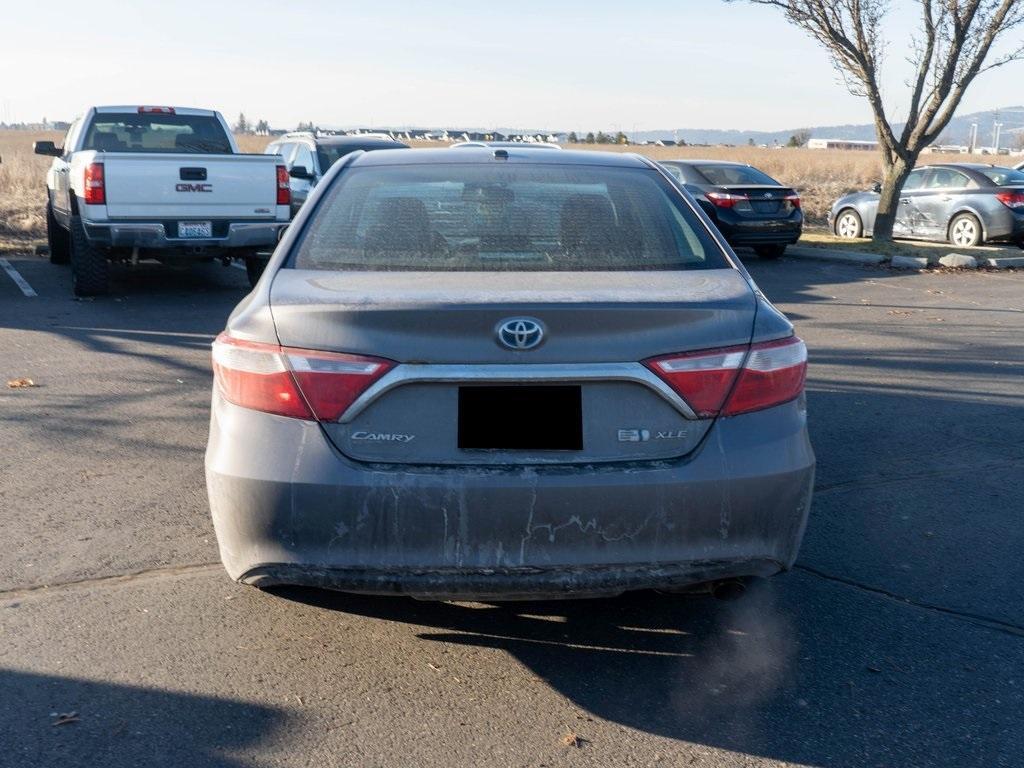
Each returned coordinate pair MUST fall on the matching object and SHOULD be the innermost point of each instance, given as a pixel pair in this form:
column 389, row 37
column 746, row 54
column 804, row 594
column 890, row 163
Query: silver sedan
column 502, row 373
column 966, row 204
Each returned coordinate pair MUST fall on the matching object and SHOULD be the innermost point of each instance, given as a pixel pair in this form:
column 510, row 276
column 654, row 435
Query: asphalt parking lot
column 897, row 641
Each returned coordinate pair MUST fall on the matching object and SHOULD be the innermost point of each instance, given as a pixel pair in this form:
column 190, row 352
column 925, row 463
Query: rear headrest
column 588, row 222
column 108, row 142
column 402, row 225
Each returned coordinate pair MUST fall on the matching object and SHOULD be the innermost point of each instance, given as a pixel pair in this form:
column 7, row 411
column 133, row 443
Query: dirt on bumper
column 736, row 507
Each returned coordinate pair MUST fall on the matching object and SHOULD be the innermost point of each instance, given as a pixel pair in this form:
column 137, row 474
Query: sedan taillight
column 735, row 380
column 725, row 199
column 298, row 383
column 1011, row 199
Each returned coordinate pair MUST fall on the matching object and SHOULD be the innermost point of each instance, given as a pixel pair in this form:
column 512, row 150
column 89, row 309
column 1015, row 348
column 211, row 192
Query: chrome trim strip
column 526, row 374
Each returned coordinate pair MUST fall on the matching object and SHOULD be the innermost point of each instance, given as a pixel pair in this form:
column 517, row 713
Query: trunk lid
column 451, row 317
column 189, row 185
column 763, row 200
column 442, row 330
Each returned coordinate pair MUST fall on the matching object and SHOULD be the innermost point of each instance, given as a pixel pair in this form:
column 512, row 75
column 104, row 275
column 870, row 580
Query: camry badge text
column 382, row 437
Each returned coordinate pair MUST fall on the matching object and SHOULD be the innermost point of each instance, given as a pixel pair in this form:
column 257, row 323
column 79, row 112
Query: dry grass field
column 820, row 176
column 22, row 185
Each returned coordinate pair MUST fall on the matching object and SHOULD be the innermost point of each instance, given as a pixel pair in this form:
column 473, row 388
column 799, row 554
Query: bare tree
column 799, row 139
column 952, row 49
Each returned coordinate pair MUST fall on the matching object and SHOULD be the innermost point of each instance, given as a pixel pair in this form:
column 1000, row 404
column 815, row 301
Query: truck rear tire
column 89, row 269
column 58, row 239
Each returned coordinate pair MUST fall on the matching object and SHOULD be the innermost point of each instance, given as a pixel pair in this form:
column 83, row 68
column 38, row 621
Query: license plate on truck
column 195, row 229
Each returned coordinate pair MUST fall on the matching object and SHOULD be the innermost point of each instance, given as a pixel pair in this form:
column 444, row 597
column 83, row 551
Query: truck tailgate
column 183, row 186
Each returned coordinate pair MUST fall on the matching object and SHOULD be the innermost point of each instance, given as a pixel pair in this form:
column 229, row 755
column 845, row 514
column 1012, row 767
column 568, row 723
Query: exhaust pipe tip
column 728, row 589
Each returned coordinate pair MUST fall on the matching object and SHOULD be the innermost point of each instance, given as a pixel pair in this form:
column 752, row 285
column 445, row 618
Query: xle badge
column 643, row 435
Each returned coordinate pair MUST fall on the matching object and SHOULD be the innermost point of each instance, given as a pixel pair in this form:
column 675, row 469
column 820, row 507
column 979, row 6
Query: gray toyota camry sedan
column 506, row 373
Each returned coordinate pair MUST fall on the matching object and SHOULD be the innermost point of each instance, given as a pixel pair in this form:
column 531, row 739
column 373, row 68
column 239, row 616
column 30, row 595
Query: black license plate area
column 521, row 418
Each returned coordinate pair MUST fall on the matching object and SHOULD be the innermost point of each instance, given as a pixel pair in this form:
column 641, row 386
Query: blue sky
column 562, row 65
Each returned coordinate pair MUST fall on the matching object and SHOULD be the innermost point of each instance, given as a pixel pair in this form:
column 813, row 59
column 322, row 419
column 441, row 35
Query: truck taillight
column 735, row 380
column 156, row 110
column 298, row 383
column 284, row 190
column 95, row 188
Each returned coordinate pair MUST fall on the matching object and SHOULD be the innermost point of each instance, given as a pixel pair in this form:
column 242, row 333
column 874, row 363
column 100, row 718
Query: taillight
column 299, row 383
column 725, row 199
column 284, row 190
column 95, row 188
column 773, row 374
column 735, row 380
column 793, row 200
column 156, row 110
column 703, row 379
column 1014, row 199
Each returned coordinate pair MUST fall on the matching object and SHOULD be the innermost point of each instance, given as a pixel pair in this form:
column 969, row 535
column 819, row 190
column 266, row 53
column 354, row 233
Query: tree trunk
column 889, row 200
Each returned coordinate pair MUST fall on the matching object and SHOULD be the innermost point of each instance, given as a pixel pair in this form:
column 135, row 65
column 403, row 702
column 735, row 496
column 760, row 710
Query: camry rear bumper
column 739, row 230
column 510, row 583
column 288, row 509
column 762, row 233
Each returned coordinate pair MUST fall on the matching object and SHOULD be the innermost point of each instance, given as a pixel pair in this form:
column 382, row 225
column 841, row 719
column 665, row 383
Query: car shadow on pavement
column 58, row 721
column 797, row 670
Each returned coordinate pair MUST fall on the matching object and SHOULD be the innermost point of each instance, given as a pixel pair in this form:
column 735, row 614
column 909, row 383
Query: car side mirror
column 300, row 172
column 877, row 188
column 46, row 148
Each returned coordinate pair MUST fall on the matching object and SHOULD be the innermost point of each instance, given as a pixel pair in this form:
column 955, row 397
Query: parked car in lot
column 748, row 206
column 503, row 373
column 308, row 156
column 157, row 182
column 966, row 204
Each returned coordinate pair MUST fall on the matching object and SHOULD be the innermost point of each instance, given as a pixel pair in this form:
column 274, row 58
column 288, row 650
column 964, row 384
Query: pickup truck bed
column 159, row 182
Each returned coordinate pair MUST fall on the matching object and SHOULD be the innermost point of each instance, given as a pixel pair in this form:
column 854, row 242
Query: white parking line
column 19, row 281
column 237, row 265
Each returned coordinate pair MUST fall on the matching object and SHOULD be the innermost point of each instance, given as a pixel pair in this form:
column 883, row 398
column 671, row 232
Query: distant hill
column 957, row 132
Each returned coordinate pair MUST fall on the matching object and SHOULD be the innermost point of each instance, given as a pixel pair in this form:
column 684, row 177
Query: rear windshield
column 329, row 154
column 734, row 175
column 468, row 217
column 132, row 132
column 1003, row 176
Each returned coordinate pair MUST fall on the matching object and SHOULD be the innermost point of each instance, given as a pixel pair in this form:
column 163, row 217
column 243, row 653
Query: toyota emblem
column 520, row 333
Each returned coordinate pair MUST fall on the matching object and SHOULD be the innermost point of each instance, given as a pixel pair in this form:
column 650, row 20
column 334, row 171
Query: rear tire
column 254, row 267
column 58, row 239
column 849, row 225
column 769, row 251
column 965, row 231
column 89, row 268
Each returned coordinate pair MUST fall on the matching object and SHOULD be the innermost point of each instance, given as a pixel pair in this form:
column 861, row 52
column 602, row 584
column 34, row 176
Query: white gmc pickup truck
column 158, row 182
